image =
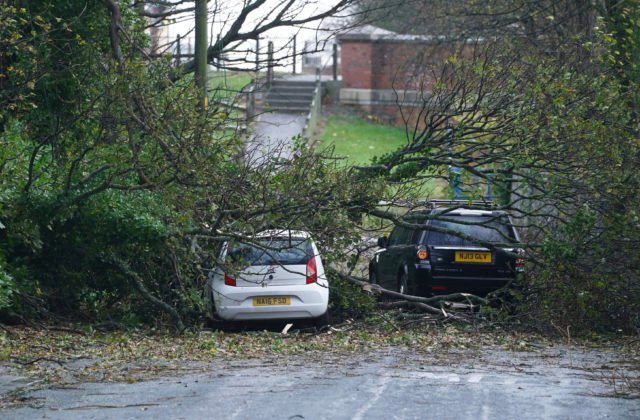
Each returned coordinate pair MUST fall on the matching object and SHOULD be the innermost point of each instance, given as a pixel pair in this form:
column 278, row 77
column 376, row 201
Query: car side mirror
column 382, row 242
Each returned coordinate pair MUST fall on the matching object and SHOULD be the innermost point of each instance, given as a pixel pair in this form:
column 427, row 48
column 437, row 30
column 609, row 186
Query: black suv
column 453, row 246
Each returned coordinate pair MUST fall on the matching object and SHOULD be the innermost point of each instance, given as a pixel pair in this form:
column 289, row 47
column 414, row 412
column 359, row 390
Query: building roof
column 375, row 34
column 366, row 32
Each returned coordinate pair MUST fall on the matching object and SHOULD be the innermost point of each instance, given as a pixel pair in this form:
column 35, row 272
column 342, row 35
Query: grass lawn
column 222, row 84
column 359, row 140
column 228, row 83
column 225, row 85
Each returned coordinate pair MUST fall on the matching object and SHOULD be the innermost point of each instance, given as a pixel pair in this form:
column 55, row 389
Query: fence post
column 178, row 50
column 335, row 61
column 294, row 54
column 251, row 102
column 257, row 54
column 269, row 64
column 219, row 60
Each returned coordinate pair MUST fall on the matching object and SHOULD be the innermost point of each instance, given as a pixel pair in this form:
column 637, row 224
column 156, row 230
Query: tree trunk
column 201, row 52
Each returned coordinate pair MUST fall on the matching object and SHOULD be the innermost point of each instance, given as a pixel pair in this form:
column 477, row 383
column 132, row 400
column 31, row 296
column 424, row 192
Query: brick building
column 382, row 70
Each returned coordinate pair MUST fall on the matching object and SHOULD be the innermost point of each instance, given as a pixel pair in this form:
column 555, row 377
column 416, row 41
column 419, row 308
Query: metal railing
column 316, row 107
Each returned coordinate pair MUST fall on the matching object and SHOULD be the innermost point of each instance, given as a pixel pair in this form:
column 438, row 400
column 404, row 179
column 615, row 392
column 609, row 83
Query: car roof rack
column 468, row 204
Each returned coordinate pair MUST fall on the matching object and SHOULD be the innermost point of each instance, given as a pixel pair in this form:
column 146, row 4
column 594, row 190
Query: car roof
column 453, row 211
column 466, row 212
column 283, row 233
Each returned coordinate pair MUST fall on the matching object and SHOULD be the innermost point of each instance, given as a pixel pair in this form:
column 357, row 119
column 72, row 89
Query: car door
column 393, row 257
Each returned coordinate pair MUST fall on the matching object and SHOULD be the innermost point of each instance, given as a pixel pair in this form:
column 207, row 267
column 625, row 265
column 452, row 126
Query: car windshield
column 483, row 228
column 271, row 251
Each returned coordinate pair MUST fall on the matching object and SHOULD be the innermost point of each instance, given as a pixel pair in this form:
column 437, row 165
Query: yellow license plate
column 473, row 257
column 271, row 300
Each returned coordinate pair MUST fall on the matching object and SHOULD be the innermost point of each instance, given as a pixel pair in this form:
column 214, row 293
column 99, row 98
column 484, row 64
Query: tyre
column 213, row 321
column 373, row 277
column 322, row 320
column 211, row 306
column 403, row 283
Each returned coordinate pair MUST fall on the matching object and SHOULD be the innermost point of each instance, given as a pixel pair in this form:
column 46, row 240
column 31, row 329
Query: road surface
column 392, row 383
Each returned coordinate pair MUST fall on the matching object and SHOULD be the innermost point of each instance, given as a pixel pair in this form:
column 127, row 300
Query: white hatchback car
column 277, row 274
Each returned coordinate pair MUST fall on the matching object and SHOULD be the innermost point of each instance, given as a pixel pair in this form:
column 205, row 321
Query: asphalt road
column 553, row 383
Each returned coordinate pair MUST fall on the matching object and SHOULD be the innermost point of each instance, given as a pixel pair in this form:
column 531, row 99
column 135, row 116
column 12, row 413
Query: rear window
column 271, row 251
column 484, row 228
column 400, row 236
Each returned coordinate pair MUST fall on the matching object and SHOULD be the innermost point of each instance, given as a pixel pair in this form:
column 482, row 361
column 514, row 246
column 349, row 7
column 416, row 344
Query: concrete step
column 289, row 110
column 288, row 102
column 288, row 97
column 294, row 91
column 291, row 91
column 293, row 86
column 291, row 97
column 286, row 89
column 294, row 83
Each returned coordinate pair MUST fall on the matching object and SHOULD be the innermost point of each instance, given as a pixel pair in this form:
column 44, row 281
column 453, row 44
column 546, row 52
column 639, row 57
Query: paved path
column 273, row 134
column 273, row 131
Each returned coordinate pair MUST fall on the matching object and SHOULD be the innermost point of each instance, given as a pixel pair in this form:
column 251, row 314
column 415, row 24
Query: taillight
column 438, row 288
column 422, row 253
column 228, row 280
column 312, row 273
column 520, row 261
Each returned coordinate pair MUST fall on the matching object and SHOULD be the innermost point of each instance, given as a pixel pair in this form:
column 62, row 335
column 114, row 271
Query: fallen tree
column 453, row 306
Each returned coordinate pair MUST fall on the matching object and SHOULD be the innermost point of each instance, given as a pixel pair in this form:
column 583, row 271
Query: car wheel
column 373, row 278
column 323, row 319
column 212, row 318
column 403, row 283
